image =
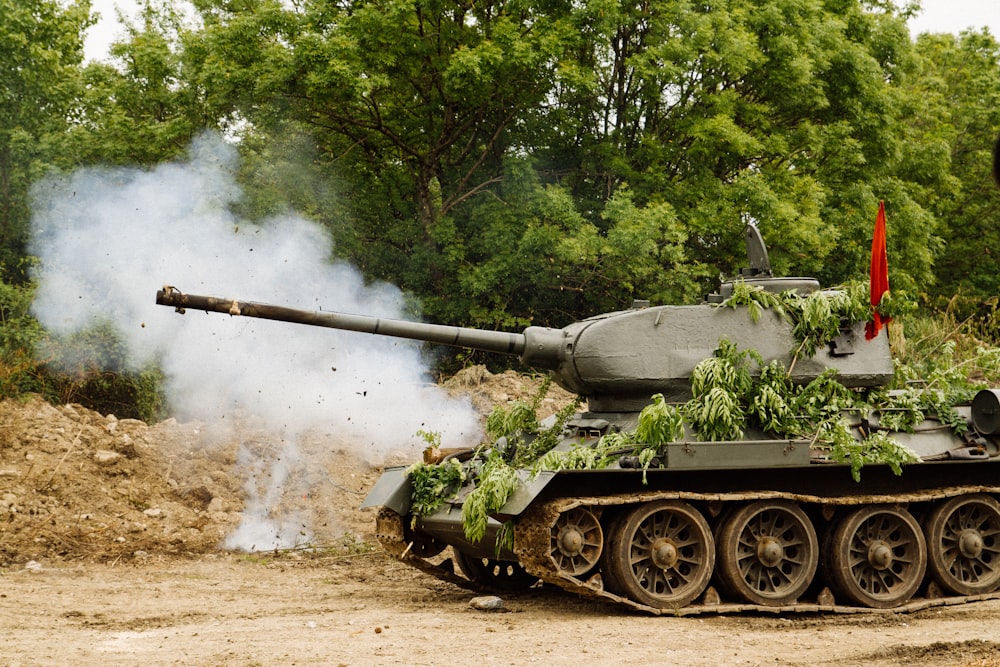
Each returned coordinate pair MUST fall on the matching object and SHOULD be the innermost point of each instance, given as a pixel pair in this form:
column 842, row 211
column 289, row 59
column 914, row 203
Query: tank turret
column 618, row 360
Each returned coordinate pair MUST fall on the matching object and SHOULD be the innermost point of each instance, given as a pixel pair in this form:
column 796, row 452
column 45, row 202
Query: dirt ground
column 113, row 539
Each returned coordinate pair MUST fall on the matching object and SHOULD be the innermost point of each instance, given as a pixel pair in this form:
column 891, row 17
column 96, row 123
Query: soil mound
column 75, row 484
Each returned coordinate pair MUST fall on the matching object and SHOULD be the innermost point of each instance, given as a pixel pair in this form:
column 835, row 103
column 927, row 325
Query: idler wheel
column 660, row 554
column 501, row 575
column 963, row 544
column 577, row 541
column 878, row 556
column 767, row 552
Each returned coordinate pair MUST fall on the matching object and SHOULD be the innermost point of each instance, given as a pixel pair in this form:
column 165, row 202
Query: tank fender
column 525, row 494
column 393, row 490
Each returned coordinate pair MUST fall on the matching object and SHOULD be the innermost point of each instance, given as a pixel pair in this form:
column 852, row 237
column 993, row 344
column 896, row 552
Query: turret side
column 620, row 360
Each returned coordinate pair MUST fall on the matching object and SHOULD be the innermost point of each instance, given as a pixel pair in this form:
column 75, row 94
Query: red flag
column 879, row 274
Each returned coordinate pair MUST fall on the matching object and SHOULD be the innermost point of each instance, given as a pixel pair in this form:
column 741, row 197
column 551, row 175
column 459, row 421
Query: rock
column 216, row 505
column 106, row 457
column 825, row 597
column 153, row 512
column 487, row 603
column 126, row 447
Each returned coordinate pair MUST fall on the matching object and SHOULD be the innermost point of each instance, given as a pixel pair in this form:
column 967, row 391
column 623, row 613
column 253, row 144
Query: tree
column 41, row 48
column 529, row 256
column 960, row 86
column 788, row 113
column 416, row 103
column 784, row 113
column 138, row 108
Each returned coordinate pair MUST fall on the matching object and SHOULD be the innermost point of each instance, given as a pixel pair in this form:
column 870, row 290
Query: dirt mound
column 486, row 390
column 970, row 653
column 75, row 484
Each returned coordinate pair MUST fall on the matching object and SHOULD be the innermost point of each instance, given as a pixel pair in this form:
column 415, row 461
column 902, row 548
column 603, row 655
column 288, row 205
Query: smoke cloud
column 109, row 238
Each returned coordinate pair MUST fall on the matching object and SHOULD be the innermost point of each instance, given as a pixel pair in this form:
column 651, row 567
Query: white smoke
column 109, row 238
column 262, row 528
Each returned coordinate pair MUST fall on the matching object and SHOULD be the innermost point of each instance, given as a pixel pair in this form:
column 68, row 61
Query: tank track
column 533, row 538
column 391, row 535
column 532, row 545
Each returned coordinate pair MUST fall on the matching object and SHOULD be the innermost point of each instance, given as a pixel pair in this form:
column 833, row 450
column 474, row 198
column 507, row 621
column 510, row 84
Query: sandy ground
column 113, row 551
column 368, row 610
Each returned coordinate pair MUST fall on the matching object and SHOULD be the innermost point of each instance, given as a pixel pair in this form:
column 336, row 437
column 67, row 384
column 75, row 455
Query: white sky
column 957, row 15
column 100, row 36
column 937, row 16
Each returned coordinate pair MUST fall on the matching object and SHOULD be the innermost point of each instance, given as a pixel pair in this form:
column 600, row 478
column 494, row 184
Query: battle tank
column 754, row 523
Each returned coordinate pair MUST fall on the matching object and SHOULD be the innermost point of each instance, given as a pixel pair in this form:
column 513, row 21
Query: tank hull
column 768, row 525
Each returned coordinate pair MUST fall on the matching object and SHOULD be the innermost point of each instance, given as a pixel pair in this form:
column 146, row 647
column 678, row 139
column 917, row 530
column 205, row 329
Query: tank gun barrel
column 488, row 341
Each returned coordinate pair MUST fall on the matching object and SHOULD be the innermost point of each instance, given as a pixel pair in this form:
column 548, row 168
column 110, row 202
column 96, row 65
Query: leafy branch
column 433, row 483
column 755, row 298
column 878, row 447
column 659, row 423
column 720, row 386
column 493, row 469
column 817, row 317
column 497, row 480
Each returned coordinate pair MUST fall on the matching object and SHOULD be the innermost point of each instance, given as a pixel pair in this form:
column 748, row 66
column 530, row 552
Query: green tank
column 756, row 522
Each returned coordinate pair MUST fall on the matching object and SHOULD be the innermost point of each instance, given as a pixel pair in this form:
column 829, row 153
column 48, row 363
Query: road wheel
column 878, row 556
column 661, row 554
column 767, row 552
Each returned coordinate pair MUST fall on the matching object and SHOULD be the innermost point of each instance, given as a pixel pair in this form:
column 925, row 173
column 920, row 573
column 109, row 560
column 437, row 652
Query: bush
column 20, row 334
column 73, row 369
column 91, row 367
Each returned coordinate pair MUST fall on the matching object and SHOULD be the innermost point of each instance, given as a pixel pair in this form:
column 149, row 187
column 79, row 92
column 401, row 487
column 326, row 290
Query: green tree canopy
column 41, row 49
column 788, row 113
column 959, row 83
column 138, row 108
column 533, row 161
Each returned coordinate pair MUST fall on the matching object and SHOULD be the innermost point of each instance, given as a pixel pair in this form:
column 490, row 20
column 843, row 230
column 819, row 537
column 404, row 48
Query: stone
column 106, row 457
column 487, row 603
